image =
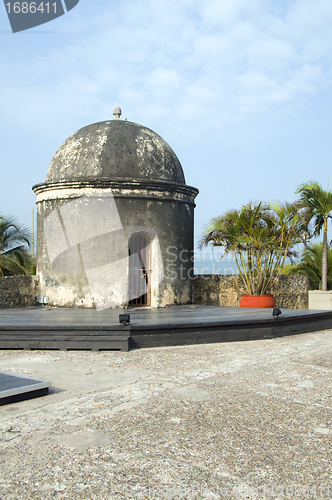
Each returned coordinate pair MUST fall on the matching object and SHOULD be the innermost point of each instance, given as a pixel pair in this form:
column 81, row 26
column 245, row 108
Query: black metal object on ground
column 15, row 388
column 51, row 328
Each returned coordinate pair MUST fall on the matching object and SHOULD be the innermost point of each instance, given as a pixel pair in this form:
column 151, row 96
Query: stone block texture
column 290, row 292
column 18, row 291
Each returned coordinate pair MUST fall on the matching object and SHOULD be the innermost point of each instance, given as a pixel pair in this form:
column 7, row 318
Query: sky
column 241, row 90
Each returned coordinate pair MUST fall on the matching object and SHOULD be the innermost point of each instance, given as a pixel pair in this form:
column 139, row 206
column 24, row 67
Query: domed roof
column 115, row 149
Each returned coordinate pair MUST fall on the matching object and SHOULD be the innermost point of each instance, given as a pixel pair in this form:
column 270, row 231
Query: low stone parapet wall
column 320, row 300
column 18, row 291
column 290, row 292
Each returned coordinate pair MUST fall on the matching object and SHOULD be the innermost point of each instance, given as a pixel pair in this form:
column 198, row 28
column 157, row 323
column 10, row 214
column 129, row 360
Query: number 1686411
column 31, row 7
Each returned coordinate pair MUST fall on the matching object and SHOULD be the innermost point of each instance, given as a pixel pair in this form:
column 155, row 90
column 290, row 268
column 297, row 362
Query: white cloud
column 271, row 54
column 164, row 78
column 220, row 13
column 239, row 57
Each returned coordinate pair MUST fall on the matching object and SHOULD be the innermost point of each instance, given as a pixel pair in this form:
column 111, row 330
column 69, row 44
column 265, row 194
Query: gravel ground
column 234, row 420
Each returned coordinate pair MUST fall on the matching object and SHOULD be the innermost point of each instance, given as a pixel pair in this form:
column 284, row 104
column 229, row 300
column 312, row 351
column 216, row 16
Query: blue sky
column 240, row 89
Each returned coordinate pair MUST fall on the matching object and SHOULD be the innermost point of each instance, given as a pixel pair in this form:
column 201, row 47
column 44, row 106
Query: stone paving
column 233, row 420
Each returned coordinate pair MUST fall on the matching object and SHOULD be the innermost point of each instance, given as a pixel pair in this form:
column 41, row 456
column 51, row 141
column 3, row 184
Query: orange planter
column 266, row 301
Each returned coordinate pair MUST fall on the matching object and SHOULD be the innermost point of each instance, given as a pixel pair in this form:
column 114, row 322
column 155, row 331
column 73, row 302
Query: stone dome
column 113, row 150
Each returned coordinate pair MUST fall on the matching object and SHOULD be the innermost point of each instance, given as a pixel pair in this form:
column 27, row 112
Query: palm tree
column 318, row 203
column 15, row 242
column 311, row 266
column 260, row 237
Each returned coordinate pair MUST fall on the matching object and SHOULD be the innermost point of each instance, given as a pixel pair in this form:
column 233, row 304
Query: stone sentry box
column 113, row 204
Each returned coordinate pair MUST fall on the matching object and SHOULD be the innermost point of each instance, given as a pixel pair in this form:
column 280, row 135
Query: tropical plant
column 311, row 266
column 318, row 204
column 15, row 241
column 260, row 237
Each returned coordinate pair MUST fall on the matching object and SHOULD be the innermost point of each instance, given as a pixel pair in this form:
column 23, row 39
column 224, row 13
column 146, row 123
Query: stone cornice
column 131, row 188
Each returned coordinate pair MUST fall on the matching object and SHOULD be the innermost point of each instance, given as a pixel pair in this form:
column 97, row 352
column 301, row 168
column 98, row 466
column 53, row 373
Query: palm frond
column 15, row 242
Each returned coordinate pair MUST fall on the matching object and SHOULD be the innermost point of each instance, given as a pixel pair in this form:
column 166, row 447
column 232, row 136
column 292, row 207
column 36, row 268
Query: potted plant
column 260, row 237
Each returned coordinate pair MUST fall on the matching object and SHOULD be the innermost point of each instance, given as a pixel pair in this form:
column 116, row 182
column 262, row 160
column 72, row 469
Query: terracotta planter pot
column 265, row 301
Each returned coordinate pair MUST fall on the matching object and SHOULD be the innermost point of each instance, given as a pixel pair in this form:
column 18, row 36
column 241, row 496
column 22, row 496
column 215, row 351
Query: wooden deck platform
column 59, row 328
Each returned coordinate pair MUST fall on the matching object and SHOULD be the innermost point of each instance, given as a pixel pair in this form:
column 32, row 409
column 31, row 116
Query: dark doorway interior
column 139, row 270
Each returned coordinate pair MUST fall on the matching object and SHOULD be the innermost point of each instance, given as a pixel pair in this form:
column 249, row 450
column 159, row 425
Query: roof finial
column 117, row 113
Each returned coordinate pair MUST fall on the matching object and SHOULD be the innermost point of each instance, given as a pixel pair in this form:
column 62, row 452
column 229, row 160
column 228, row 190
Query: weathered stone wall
column 93, row 271
column 290, row 292
column 18, row 291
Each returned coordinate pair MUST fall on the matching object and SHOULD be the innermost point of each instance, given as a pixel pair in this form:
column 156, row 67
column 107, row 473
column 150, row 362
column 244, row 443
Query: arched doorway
column 139, row 270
